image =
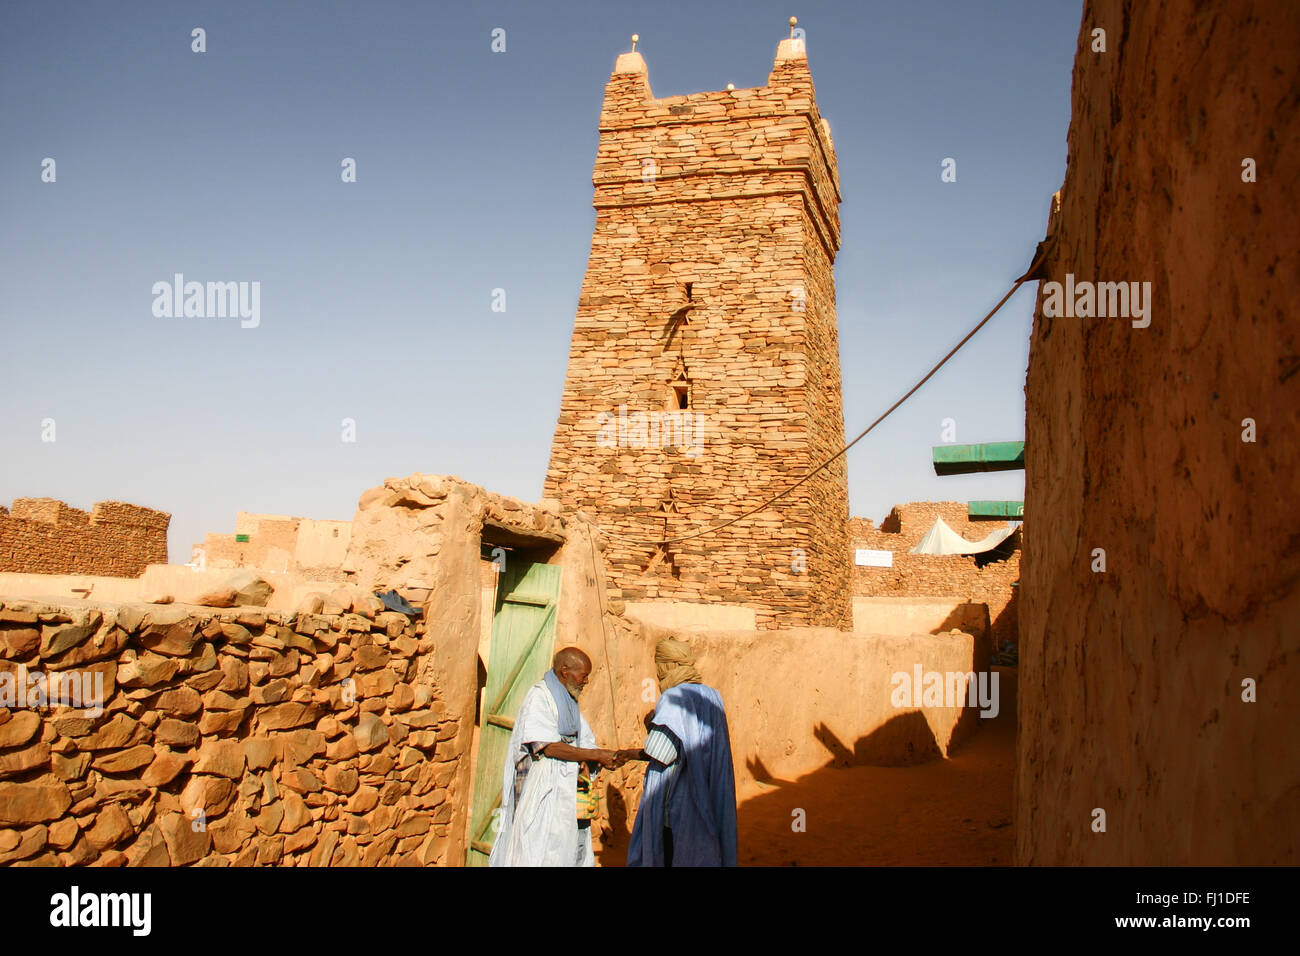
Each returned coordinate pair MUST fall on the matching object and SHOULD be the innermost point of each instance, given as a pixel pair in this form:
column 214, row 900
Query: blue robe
column 703, row 805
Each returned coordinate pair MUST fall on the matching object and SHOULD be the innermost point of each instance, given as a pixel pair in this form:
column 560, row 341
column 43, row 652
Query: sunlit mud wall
column 797, row 701
column 1172, row 449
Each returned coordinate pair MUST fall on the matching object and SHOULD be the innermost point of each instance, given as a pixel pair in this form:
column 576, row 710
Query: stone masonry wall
column 46, row 536
column 1131, row 680
column 228, row 737
column 733, row 194
column 828, row 552
column 924, row 575
column 915, row 518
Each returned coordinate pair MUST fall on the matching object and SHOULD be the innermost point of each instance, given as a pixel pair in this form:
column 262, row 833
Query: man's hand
column 562, row 751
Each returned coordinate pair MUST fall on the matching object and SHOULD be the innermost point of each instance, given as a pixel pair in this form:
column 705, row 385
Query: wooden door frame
column 494, row 720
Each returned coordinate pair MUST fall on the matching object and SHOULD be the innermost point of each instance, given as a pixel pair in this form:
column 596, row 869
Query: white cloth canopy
column 941, row 539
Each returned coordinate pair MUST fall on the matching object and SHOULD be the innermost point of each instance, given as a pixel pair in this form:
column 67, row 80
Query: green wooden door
column 523, row 632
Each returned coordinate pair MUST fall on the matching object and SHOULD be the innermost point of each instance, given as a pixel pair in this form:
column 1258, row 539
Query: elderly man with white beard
column 552, row 755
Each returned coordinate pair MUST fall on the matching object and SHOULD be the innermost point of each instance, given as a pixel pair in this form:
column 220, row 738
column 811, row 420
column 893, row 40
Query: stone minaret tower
column 704, row 372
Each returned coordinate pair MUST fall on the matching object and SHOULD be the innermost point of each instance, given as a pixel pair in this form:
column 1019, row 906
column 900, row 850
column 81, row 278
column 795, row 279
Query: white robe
column 543, row 829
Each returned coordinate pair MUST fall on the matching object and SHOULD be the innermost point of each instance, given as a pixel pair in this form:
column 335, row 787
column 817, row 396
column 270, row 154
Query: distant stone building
column 276, row 543
column 991, row 578
column 46, row 536
column 704, row 372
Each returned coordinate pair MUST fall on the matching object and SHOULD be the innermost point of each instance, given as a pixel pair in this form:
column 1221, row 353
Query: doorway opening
column 520, row 593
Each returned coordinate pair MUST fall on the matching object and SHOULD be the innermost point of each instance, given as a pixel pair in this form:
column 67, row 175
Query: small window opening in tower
column 681, row 395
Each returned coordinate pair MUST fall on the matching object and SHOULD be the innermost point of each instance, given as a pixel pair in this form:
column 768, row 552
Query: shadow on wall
column 970, row 618
column 613, row 850
column 853, row 812
column 900, row 741
column 1001, row 553
column 1006, row 626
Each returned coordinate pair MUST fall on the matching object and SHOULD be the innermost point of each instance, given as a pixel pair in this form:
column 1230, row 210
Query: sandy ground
column 954, row 812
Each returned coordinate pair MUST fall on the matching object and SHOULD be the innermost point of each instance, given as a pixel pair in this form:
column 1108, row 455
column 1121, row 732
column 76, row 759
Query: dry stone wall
column 46, row 536
column 227, row 737
column 924, row 575
column 710, row 282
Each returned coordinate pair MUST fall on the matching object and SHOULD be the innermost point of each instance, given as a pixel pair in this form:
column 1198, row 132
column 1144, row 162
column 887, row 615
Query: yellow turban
column 675, row 664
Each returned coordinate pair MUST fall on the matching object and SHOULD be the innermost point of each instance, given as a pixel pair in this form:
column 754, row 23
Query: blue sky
column 473, row 173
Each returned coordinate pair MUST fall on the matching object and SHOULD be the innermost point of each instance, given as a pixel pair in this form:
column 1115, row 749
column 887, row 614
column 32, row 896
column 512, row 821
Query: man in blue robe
column 687, row 815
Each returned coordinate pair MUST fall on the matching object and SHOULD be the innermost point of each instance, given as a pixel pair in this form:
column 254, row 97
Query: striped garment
column 659, row 746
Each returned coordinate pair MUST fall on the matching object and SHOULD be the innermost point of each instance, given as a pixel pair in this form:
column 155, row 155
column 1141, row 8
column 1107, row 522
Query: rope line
column 1043, row 249
column 598, row 570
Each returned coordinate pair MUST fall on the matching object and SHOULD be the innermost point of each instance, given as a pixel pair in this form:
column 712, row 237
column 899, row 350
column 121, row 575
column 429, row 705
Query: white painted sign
column 873, row 559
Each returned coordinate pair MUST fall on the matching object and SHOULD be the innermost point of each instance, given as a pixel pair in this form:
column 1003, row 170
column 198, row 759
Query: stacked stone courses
column 711, row 266
column 46, row 536
column 226, row 737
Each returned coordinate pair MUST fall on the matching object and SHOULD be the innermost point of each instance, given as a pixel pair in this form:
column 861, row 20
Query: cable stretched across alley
column 1040, row 256
column 1031, row 273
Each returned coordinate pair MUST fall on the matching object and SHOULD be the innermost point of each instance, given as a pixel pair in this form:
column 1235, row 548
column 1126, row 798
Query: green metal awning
column 968, row 459
column 996, row 511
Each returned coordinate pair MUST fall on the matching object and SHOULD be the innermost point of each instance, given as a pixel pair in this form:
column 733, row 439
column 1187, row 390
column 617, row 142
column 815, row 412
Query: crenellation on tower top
column 719, row 132
column 629, row 63
column 791, row 49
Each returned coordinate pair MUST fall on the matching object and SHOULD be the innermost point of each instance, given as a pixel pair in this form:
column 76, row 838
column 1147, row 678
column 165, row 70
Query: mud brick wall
column 278, row 543
column 923, row 575
column 267, row 535
column 409, row 532
column 742, row 204
column 46, row 536
column 1131, row 680
column 229, row 737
